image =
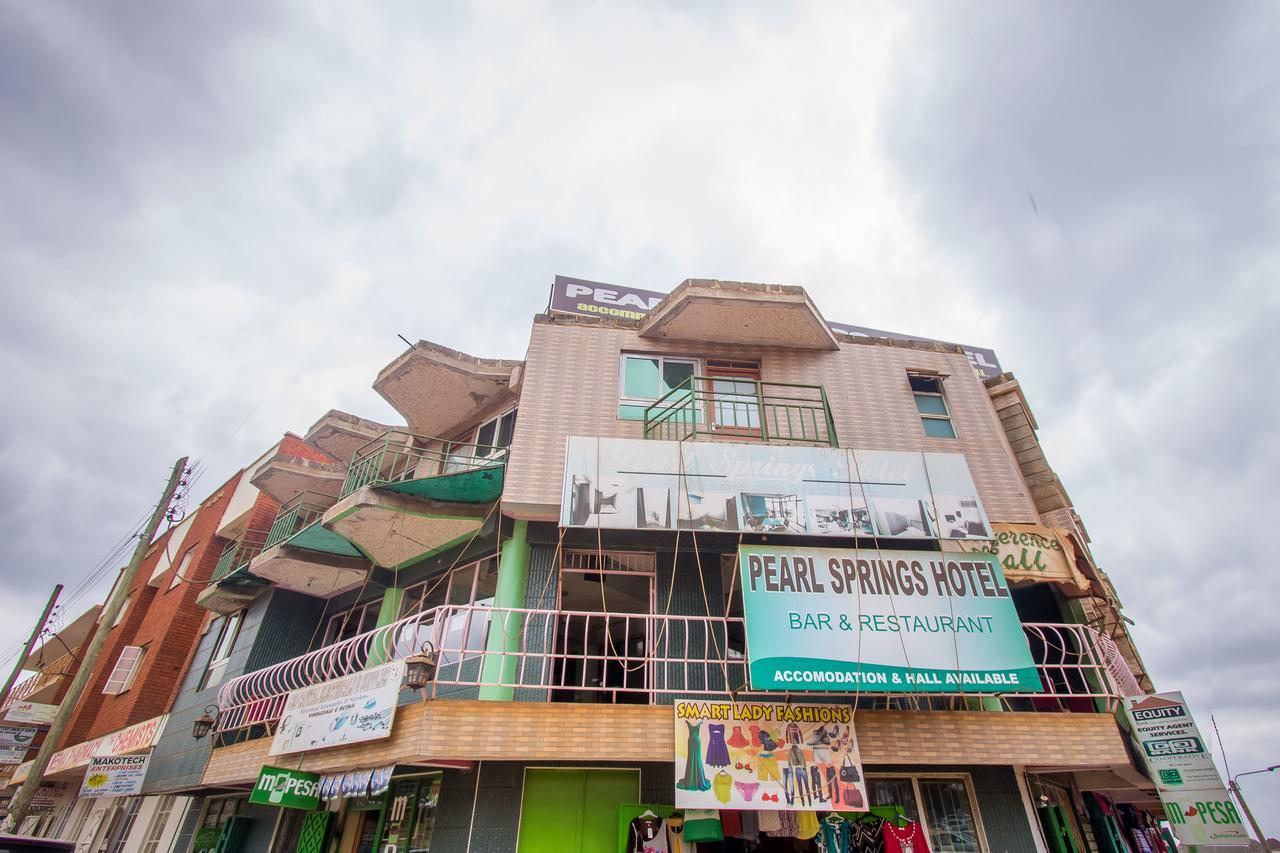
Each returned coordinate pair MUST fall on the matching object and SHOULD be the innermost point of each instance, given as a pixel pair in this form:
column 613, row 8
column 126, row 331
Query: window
column 121, row 825
column 495, row 434
column 228, row 630
column 124, row 608
column 931, row 405
column 180, row 573
column 357, row 620
column 649, row 377
column 155, row 829
column 944, row 806
column 126, row 667
column 465, row 630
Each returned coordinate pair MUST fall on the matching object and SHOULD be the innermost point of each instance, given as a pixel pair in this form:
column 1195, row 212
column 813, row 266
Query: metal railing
column 745, row 409
column 239, row 553
column 42, row 679
column 397, row 456
column 296, row 515
column 557, row 655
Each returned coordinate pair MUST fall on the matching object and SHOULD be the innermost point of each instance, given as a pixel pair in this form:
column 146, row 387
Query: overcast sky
column 214, row 221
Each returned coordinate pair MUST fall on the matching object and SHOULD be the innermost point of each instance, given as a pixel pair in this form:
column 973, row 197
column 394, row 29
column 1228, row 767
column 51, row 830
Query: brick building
column 569, row 540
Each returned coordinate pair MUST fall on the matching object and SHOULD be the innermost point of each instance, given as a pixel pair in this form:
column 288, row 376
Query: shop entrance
column 360, row 829
column 604, row 629
column 574, row 811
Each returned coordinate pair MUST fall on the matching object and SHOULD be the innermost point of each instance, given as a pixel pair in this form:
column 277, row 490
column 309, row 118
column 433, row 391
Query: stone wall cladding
column 571, row 388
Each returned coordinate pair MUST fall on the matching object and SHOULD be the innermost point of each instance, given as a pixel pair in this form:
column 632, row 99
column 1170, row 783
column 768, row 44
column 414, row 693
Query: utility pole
column 1234, row 785
column 31, row 643
column 22, row 799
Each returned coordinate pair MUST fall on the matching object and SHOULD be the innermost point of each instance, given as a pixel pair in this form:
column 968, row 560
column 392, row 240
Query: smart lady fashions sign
column 823, row 619
column 771, row 756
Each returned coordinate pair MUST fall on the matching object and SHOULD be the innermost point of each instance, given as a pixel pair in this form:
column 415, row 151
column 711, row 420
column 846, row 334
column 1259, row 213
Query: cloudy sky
column 215, row 219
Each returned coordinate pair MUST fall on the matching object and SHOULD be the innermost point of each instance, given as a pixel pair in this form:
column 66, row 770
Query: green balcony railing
column 239, row 553
column 296, row 515
column 400, row 457
column 744, row 410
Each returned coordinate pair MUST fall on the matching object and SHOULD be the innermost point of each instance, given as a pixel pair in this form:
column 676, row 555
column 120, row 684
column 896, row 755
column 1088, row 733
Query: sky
column 215, row 219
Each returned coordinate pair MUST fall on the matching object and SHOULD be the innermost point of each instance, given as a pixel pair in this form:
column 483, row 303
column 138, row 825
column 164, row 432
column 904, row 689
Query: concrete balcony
column 286, row 475
column 408, row 496
column 300, row 554
column 341, row 434
column 232, row 585
column 734, row 312
column 43, row 686
column 436, row 388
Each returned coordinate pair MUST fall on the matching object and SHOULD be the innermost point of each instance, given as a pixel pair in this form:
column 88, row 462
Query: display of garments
column 738, row 740
column 769, row 820
column 747, row 789
column 787, row 826
column 806, row 824
column 702, row 825
column 647, row 834
column 750, row 825
column 907, row 839
column 730, row 822
column 835, row 835
column 694, row 778
column 766, row 767
column 866, row 835
column 722, row 786
column 675, row 835
column 717, row 750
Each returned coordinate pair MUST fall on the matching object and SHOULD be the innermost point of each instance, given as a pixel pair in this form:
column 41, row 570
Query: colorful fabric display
column 770, row 820
column 907, row 839
column 648, row 834
column 675, row 835
column 806, row 824
column 702, row 825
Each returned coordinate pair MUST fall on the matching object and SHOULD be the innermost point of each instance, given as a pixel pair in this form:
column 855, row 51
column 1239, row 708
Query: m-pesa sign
column 135, row 738
column 294, row 789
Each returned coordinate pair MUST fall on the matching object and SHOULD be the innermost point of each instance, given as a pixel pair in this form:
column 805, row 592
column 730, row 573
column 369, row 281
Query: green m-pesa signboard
column 824, row 619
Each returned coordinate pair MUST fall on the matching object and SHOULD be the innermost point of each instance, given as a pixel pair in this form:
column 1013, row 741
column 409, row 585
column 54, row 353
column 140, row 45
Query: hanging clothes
column 835, row 835
column 788, row 826
column 907, row 839
column 647, row 834
column 730, row 822
column 769, row 820
column 675, row 835
column 717, row 750
column 806, row 824
column 694, row 778
column 750, row 828
column 702, row 825
column 867, row 835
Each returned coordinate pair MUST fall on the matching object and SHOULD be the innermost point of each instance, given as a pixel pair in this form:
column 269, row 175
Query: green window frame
column 931, row 404
column 644, row 378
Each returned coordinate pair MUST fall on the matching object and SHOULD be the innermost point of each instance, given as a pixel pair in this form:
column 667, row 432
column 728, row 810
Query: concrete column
column 505, row 629
column 388, row 612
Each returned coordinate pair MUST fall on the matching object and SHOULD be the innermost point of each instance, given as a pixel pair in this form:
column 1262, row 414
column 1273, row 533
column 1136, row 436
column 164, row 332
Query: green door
column 574, row 811
column 1057, row 833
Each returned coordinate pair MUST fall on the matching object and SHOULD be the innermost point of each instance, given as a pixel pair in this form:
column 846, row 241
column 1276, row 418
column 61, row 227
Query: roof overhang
column 69, row 638
column 734, row 312
column 341, row 434
column 435, row 388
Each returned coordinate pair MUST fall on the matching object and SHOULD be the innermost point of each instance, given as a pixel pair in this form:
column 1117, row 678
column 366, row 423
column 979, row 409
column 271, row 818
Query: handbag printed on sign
column 849, row 770
column 851, row 796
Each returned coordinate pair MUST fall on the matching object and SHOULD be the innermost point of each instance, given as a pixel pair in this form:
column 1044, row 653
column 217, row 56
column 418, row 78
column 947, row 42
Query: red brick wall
column 167, row 621
column 292, row 445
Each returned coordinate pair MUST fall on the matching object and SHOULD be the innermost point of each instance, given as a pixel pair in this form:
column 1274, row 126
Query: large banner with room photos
column 767, row 755
column 827, row 619
column 630, row 484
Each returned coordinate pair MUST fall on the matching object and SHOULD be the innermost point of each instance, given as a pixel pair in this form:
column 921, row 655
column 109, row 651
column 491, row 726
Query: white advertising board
column 350, row 709
column 115, row 776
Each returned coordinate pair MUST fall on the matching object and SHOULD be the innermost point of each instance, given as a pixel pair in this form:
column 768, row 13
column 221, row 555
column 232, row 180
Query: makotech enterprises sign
column 827, row 619
column 292, row 789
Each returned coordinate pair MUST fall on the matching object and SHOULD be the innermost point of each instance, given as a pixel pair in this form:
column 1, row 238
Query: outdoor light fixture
column 420, row 669
column 203, row 724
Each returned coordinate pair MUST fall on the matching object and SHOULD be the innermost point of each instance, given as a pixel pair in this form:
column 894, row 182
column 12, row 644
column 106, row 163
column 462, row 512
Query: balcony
column 232, row 585
column 409, row 496
column 300, row 554
column 734, row 409
column 43, row 686
column 553, row 655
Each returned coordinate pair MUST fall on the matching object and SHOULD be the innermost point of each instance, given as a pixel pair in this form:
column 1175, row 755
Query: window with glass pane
column 156, row 828
column 424, row 819
column 506, row 428
column 938, row 427
column 932, row 405
column 949, row 816
column 894, row 792
column 228, row 631
column 647, row 377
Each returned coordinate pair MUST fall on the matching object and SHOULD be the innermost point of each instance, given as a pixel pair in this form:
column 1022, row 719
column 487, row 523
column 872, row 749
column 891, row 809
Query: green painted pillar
column 388, row 612
column 505, row 630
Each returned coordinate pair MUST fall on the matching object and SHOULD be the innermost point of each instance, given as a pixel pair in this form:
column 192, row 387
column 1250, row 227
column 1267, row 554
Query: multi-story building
column 483, row 630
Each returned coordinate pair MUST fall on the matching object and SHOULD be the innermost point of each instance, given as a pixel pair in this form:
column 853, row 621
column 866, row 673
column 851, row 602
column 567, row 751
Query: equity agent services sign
column 291, row 789
column 828, row 619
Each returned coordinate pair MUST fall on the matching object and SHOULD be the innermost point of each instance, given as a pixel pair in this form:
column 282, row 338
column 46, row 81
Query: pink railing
column 41, row 679
column 557, row 655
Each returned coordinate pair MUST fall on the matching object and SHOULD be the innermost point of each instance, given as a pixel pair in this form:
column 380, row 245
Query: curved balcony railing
column 296, row 515
column 48, row 675
column 577, row 655
column 398, row 456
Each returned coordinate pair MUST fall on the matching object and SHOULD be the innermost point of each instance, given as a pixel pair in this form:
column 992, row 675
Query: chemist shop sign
column 291, row 789
column 767, row 755
column 825, row 619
